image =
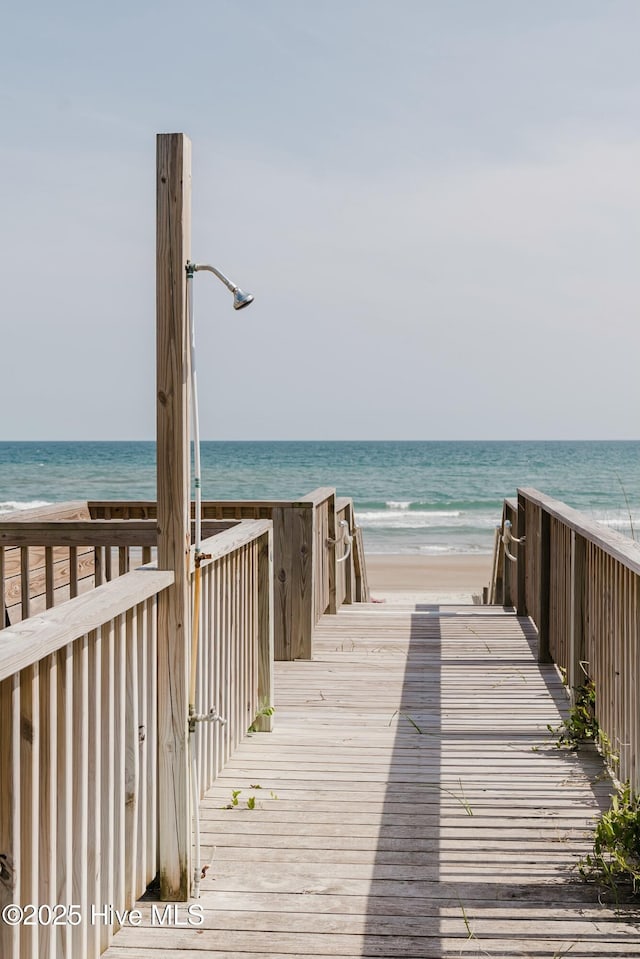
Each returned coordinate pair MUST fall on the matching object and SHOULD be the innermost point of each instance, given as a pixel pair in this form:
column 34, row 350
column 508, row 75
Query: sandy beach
column 443, row 579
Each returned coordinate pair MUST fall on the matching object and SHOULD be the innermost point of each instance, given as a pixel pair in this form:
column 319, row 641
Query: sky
column 436, row 204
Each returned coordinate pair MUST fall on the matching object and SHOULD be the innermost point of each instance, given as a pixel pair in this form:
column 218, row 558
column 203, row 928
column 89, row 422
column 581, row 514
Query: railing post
column 293, row 583
column 521, row 600
column 508, row 587
column 173, row 196
column 544, row 654
column 349, row 586
column 264, row 723
column 302, row 581
column 575, row 677
column 331, row 549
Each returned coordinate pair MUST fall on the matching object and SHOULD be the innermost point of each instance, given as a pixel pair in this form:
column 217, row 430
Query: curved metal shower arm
column 196, row 267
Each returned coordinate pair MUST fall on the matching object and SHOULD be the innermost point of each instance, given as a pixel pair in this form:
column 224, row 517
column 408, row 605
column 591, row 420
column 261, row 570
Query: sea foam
column 10, row 506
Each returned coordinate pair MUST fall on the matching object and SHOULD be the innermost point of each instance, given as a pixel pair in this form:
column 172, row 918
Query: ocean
column 422, row 498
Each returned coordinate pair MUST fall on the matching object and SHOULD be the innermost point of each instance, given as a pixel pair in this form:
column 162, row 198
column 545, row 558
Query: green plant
column 407, row 717
column 464, row 802
column 470, row 933
column 615, row 859
column 581, row 725
column 234, row 799
column 265, row 711
column 251, row 801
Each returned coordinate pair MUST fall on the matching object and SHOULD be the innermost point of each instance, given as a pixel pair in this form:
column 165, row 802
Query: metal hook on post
column 508, row 538
column 346, row 538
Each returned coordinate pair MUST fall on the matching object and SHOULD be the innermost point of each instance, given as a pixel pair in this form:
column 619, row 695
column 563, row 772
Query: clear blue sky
column 436, row 205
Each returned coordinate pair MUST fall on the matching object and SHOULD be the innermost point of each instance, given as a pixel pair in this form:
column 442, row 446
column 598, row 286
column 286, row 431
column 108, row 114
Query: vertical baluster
column 132, row 770
column 65, row 733
column 203, row 694
column 226, row 643
column 215, row 627
column 73, row 572
column 25, row 582
column 241, row 726
column 152, row 735
column 10, row 803
column 80, row 746
column 107, row 779
column 30, row 789
column 119, row 786
column 3, row 608
column 95, row 795
column 48, row 811
column 49, row 578
column 265, row 631
column 141, row 879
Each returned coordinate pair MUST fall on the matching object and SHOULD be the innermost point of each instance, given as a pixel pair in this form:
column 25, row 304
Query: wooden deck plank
column 411, row 805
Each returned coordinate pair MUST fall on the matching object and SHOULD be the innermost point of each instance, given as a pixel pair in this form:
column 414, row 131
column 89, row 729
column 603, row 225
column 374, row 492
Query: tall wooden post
column 544, row 585
column 521, row 599
column 173, row 248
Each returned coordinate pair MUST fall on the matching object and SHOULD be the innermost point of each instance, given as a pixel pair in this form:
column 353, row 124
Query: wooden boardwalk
column 412, row 805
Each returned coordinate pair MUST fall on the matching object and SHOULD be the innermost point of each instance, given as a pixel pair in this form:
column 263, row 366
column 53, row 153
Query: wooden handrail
column 31, row 640
column 94, row 532
column 615, row 544
column 579, row 582
column 309, row 581
column 243, row 532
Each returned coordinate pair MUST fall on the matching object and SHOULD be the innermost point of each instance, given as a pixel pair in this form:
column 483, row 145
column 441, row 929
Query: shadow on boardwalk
column 484, row 818
column 409, row 804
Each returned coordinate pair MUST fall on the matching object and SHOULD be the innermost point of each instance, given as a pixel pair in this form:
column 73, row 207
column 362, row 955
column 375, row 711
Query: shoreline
column 394, row 577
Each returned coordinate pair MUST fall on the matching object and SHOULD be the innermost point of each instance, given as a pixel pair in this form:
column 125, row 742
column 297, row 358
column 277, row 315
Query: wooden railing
column 305, row 554
column 56, row 553
column 80, row 715
column 235, row 656
column 78, row 764
column 44, row 562
column 580, row 583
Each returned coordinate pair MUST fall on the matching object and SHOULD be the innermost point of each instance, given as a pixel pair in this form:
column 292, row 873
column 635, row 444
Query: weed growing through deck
column 265, row 711
column 406, row 716
column 615, row 860
column 581, row 726
column 462, row 799
column 559, row 953
column 470, row 933
column 464, row 802
column 251, row 800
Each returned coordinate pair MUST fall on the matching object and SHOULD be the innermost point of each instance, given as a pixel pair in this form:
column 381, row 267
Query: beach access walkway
column 409, row 803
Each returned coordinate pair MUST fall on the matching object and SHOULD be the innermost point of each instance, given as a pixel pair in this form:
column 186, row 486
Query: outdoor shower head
column 240, row 299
